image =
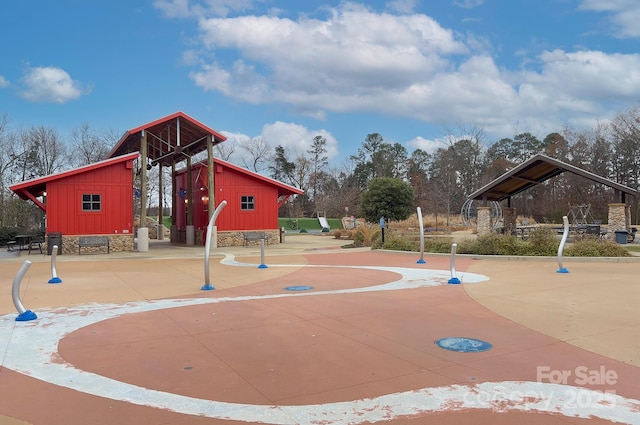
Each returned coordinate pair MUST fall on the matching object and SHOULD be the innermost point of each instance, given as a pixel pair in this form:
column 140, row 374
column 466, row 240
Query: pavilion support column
column 509, row 220
column 617, row 219
column 143, row 230
column 484, row 221
column 160, row 230
column 212, row 189
column 173, row 232
column 190, row 230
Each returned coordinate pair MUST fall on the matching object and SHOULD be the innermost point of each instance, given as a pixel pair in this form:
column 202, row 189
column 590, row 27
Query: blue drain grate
column 298, row 288
column 463, row 345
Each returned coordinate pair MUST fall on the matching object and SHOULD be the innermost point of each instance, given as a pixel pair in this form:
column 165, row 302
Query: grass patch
column 632, row 248
column 293, row 224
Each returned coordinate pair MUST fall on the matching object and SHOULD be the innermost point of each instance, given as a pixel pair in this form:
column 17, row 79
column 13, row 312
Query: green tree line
column 441, row 179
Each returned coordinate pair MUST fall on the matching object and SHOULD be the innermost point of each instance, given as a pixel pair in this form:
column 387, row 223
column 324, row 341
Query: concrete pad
column 252, row 352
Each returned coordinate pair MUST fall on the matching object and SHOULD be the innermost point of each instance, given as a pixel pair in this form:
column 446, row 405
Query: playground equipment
column 322, row 218
column 454, row 280
column 262, row 263
column 421, row 260
column 54, row 273
column 207, row 247
column 565, row 235
column 469, row 212
column 580, row 215
column 24, row 315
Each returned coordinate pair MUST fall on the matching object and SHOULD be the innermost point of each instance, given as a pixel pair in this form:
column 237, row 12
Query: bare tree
column 259, row 154
column 87, row 146
column 44, row 153
column 224, row 150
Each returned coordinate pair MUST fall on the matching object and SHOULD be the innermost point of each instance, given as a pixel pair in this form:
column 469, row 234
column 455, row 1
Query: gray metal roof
column 533, row 172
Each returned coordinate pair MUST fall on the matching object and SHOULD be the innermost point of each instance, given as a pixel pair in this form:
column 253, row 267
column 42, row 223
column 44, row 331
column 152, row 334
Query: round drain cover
column 463, row 345
column 298, row 288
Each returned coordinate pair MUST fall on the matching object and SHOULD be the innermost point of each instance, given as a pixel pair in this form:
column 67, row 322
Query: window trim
column 92, row 202
column 246, row 203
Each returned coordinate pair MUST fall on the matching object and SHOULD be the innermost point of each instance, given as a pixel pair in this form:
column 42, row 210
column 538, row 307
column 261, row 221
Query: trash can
column 54, row 238
column 621, row 236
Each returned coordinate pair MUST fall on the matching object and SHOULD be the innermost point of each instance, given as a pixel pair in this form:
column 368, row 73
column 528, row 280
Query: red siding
column 64, row 202
column 230, row 186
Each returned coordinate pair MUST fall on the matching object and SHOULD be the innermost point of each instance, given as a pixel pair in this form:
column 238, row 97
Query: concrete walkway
column 132, row 338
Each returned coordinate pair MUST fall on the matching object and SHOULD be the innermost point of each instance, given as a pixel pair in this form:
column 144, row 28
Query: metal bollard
column 454, row 279
column 54, row 273
column 23, row 314
column 262, row 264
column 565, row 235
column 421, row 260
column 207, row 247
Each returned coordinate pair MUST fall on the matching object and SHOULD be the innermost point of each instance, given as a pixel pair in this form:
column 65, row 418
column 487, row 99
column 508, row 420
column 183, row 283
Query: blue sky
column 414, row 71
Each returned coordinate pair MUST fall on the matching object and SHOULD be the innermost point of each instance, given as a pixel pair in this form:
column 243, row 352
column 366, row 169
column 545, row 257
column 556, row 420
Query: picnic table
column 26, row 243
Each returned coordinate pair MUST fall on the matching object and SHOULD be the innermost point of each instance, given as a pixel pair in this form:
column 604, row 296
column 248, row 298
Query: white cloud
column 358, row 60
column 402, row 6
column 49, row 84
column 295, row 138
column 194, row 8
column 337, row 64
column 467, row 4
column 429, row 146
column 624, row 15
column 4, row 82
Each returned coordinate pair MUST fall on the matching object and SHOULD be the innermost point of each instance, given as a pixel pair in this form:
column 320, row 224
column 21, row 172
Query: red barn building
column 252, row 202
column 98, row 199
column 93, row 200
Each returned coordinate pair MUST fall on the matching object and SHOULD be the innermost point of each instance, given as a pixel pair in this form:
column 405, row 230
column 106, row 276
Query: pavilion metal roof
column 36, row 187
column 169, row 140
column 534, row 171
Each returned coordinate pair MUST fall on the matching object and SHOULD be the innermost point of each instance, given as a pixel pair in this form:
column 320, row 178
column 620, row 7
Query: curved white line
column 31, row 348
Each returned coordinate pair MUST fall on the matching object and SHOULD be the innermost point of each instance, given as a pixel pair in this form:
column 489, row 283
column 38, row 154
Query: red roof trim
column 162, row 120
column 253, row 174
column 25, row 185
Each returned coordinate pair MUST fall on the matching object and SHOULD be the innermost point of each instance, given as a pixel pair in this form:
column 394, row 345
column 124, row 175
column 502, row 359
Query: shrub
column 542, row 241
column 493, row 244
column 591, row 246
column 365, row 235
column 396, row 243
column 8, row 234
column 437, row 244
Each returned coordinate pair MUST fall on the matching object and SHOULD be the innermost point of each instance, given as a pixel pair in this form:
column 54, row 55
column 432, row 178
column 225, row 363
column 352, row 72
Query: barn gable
column 94, row 199
column 252, row 199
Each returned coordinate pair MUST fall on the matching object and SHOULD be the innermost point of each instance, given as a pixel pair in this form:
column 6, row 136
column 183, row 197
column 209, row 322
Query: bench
column 36, row 243
column 11, row 245
column 254, row 236
column 93, row 241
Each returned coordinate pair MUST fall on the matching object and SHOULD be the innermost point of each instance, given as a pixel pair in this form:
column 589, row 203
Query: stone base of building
column 117, row 243
column 235, row 238
column 125, row 242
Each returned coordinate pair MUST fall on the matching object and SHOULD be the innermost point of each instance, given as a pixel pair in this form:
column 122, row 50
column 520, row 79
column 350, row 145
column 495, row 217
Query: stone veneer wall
column 509, row 219
column 237, row 238
column 617, row 219
column 117, row 243
column 484, row 221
